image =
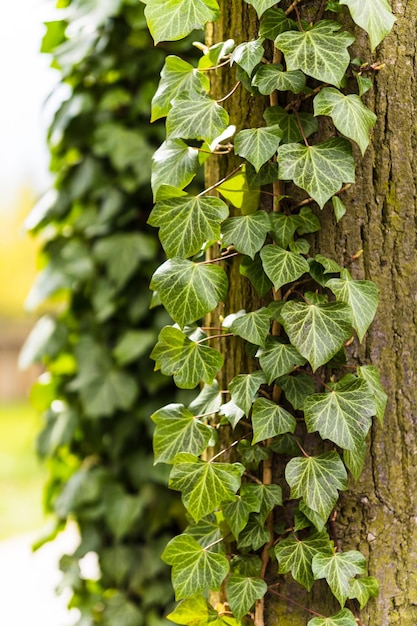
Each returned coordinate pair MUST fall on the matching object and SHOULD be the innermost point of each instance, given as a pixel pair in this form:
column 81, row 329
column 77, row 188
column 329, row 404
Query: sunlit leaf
column 261, row 6
column 248, row 54
column 169, row 20
column 174, row 163
column 257, row 145
column 244, row 387
column 246, row 233
column 253, row 327
column 363, row 589
column 361, row 296
column 342, row 618
column 338, row 569
column 195, row 116
column 372, row 376
column 374, row 16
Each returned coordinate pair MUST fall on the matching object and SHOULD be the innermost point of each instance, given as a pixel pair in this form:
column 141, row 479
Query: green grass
column 21, row 473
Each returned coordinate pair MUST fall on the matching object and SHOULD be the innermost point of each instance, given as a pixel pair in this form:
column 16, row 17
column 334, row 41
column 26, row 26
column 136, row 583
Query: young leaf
column 195, row 116
column 189, row 290
column 175, row 164
column 237, row 513
column 275, row 22
column 296, row 389
column 248, row 54
column 317, row 479
column 282, row 266
column 257, row 145
column 338, row 569
column 320, row 52
column 374, row 16
column 318, row 331
column 343, row 416
column 364, row 588
column 196, row 611
column 321, row 169
column 177, row 77
column 177, row 430
column 232, row 412
column 188, row 361
column 237, row 191
column 244, row 387
column 269, row 78
column 261, row 6
column 342, row 618
column 289, row 125
column 278, row 358
column 339, row 208
column 242, row 592
column 204, row 485
column 185, row 223
column 308, row 222
column 295, row 556
column 194, row 569
column 170, row 20
column 253, row 327
column 246, row 233
column 269, row 420
column 253, row 270
column 348, row 113
column 361, row 296
column 372, row 377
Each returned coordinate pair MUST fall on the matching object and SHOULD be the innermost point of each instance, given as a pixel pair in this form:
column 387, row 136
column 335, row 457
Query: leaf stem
column 211, row 545
column 300, row 126
column 232, row 445
column 253, row 478
column 215, row 67
column 214, row 337
column 301, row 447
column 220, row 182
column 230, row 94
column 292, row 7
column 310, row 200
column 281, row 595
column 218, row 259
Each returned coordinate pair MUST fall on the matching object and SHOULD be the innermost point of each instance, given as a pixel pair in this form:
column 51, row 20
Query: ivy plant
column 306, row 402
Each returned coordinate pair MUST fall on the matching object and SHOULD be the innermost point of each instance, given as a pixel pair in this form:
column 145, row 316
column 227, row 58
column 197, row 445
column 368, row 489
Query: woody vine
column 304, row 381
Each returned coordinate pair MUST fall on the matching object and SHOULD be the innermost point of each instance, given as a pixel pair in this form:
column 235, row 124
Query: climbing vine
column 304, row 405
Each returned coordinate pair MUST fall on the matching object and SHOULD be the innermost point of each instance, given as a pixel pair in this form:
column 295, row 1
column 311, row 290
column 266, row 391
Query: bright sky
column 26, row 81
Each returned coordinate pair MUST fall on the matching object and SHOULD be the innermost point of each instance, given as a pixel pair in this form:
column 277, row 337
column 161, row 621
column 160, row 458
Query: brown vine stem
column 292, row 7
column 220, row 182
column 291, row 601
column 300, row 126
column 232, row 445
column 230, row 94
column 301, row 447
column 253, row 478
column 310, row 200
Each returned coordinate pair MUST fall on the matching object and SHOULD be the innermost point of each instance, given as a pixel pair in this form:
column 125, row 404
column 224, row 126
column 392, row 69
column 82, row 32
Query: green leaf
column 350, row 116
column 175, row 164
column 257, row 145
column 189, row 290
column 342, row 618
column 364, row 588
column 283, row 228
column 204, row 485
column 320, row 52
column 208, row 400
column 267, row 174
column 248, row 54
column 246, row 233
column 282, row 266
column 317, row 479
column 371, row 374
column 318, row 331
column 246, row 565
column 261, row 6
column 296, row 388
column 278, row 358
column 188, row 361
column 242, row 592
column 295, row 556
column 300, row 246
column 275, row 22
column 237, row 191
column 317, row 521
column 355, row 460
column 253, row 327
column 253, row 269
column 269, row 420
column 177, row 77
column 269, row 78
column 339, row 208
column 268, row 496
column 254, row 535
column 170, row 20
column 320, row 170
column 177, row 430
column 194, row 569
column 361, row 296
column 289, row 125
column 244, row 387
column 195, row 116
column 338, row 569
column 196, row 611
column 133, row 344
column 364, row 84
column 122, row 253
column 309, row 223
column 343, row 416
column 186, row 223
column 232, row 412
column 237, row 513
column 374, row 16
column 206, row 532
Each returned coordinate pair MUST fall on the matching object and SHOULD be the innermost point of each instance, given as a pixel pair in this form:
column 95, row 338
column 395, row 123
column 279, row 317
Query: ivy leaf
column 282, row 266
column 194, row 569
column 374, row 16
column 355, row 459
column 338, row 569
column 246, row 233
column 237, row 191
column 246, row 565
column 321, row 169
column 206, row 532
column 361, row 296
column 371, row 374
column 251, row 456
column 317, row 479
column 295, row 556
column 244, row 387
column 170, row 20
column 318, row 331
column 268, row 497
column 208, row 400
column 177, row 430
column 195, row 116
column 283, row 228
column 237, row 513
column 261, row 6
column 196, row 611
column 248, row 54
column 278, row 358
column 275, row 22
column 232, row 412
column 175, row 164
column 339, row 208
column 188, row 361
column 288, row 123
column 320, row 52
column 177, row 77
column 267, row 174
column 269, row 420
column 254, row 535
column 257, row 145
column 342, row 618
column 364, row 588
column 187, row 222
column 253, row 270
column 243, row 591
column 343, row 415
column 313, row 517
column 189, row 290
column 350, row 116
column 204, row 485
column 308, row 222
column 269, row 78
column 122, row 253
column 253, row 327
column 296, row 389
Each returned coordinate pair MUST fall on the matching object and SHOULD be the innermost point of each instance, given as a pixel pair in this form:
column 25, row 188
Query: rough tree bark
column 379, row 514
